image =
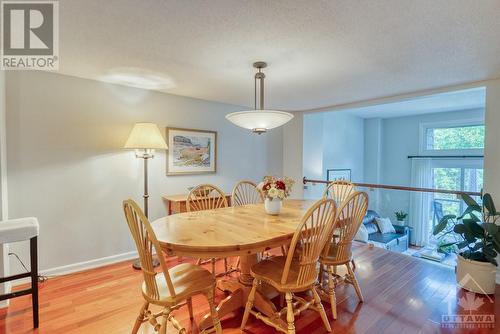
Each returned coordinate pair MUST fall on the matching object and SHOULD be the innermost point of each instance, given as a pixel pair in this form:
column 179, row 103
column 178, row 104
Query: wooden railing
column 385, row 186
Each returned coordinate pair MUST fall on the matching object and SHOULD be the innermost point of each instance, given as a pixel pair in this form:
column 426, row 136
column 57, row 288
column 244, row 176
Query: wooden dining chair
column 170, row 288
column 297, row 271
column 339, row 190
column 246, row 192
column 338, row 251
column 207, row 197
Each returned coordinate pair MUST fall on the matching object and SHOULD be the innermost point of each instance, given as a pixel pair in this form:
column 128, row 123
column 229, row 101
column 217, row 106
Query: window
column 467, row 137
column 454, row 175
column 455, row 138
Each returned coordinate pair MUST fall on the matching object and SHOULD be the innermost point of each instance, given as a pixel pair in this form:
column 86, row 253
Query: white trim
column 91, row 264
column 445, row 124
column 82, row 266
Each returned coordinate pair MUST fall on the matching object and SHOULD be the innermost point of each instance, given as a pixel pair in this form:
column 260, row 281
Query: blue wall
column 400, row 137
column 332, row 140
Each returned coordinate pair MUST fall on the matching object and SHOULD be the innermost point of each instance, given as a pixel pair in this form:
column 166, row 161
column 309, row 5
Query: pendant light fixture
column 259, row 120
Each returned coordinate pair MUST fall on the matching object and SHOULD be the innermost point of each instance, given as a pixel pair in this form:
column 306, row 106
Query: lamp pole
column 146, row 155
column 144, row 139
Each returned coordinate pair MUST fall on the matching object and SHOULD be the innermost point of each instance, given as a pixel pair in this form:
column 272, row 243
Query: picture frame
column 338, row 174
column 191, row 151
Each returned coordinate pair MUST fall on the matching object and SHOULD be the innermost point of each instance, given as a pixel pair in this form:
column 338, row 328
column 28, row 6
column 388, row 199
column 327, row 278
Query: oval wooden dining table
column 244, row 231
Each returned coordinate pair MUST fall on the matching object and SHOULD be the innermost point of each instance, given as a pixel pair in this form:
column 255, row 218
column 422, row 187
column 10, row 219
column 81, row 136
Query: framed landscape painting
column 338, row 175
column 191, row 151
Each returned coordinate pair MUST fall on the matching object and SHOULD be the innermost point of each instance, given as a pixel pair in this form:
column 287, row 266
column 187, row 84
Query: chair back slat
column 146, row 242
column 339, row 191
column 309, row 240
column 350, row 216
column 246, row 192
column 205, row 197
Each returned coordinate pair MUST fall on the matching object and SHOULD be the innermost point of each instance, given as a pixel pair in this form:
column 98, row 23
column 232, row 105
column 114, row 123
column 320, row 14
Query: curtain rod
column 444, row 156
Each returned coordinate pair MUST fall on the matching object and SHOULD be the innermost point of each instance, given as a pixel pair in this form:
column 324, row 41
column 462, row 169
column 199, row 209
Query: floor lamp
column 144, row 139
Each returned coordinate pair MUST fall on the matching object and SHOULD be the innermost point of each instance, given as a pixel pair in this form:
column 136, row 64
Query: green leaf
column 489, row 252
column 491, row 229
column 440, row 226
column 493, row 261
column 470, row 209
column 469, row 200
column 463, row 244
column 477, row 256
column 488, row 204
column 459, row 228
column 476, row 230
column 477, row 246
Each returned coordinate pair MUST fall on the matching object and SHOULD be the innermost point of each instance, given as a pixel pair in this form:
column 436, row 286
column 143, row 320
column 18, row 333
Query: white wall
column 332, row 140
column 4, row 249
column 67, row 166
column 492, row 146
column 313, row 154
column 292, row 153
column 401, row 138
column 343, row 144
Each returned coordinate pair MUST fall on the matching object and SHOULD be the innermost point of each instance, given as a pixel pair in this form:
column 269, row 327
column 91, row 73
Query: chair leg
column 190, row 308
column 34, row 279
column 213, row 266
column 140, row 318
column 226, row 270
column 164, row 322
column 353, row 265
column 213, row 312
column 355, row 282
column 321, row 309
column 249, row 305
column 331, row 292
column 321, row 273
column 290, row 318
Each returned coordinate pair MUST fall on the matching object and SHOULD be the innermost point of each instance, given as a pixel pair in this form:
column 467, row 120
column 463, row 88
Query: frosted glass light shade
column 145, row 136
column 259, row 120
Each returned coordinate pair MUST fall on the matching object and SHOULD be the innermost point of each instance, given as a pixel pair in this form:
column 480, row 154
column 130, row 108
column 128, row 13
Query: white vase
column 273, row 206
column 476, row 276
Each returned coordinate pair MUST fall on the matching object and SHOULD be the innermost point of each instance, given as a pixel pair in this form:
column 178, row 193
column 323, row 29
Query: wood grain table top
column 229, row 231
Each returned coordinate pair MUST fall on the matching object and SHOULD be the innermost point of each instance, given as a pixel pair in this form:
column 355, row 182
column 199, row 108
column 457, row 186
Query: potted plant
column 275, row 191
column 478, row 243
column 400, row 217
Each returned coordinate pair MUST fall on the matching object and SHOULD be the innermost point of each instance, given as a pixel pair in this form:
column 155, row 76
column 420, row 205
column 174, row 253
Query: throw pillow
column 385, row 225
column 362, row 234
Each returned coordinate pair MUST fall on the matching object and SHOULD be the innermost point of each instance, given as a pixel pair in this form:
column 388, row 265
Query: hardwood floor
column 402, row 295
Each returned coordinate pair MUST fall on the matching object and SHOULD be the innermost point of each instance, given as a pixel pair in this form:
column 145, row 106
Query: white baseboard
column 91, row 264
column 81, row 266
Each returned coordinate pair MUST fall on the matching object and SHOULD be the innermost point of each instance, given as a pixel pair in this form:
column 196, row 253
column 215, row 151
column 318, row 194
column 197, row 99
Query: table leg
column 238, row 293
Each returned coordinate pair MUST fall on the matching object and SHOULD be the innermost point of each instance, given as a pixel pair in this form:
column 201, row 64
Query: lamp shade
column 259, row 120
column 145, row 136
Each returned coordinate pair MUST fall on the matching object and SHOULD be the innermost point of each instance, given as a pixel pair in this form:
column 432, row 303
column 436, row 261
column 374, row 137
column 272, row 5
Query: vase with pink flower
column 275, row 190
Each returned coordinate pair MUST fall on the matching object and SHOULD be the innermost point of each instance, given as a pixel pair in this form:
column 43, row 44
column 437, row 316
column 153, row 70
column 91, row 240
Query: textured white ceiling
column 320, row 53
column 451, row 101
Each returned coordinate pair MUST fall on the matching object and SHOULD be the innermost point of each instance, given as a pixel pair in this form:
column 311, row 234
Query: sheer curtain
column 420, row 202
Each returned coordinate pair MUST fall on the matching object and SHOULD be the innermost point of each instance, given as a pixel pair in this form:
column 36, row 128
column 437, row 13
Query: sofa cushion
column 383, row 238
column 370, row 217
column 385, row 225
column 362, row 234
column 371, row 228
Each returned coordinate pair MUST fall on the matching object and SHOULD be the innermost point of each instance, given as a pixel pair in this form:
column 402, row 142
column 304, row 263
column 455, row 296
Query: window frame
column 448, row 124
